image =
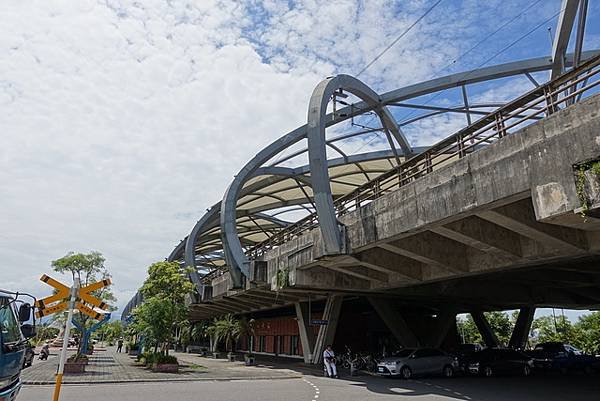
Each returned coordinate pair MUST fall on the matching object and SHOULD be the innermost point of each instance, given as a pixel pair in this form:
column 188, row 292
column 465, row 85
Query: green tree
column 588, row 328
column 87, row 268
column 110, row 332
column 499, row 321
column 555, row 328
column 167, row 280
column 163, row 310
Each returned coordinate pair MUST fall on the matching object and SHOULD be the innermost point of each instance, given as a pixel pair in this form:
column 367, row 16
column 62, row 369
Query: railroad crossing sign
column 70, row 298
column 63, row 292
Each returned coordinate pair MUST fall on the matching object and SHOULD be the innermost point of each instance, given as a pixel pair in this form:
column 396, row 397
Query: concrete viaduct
column 503, row 214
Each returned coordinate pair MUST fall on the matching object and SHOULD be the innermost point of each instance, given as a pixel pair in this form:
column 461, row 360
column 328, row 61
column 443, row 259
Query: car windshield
column 403, row 353
column 9, row 329
column 574, row 350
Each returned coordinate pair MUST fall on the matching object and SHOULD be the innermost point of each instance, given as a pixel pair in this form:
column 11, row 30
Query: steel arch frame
column 237, row 260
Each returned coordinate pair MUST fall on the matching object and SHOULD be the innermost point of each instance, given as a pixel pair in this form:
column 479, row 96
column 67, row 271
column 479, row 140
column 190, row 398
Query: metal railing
column 541, row 102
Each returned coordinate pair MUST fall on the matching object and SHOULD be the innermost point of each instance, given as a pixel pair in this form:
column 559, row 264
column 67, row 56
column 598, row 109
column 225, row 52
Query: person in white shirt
column 329, row 360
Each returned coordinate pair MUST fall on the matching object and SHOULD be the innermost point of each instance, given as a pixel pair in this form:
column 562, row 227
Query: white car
column 410, row 361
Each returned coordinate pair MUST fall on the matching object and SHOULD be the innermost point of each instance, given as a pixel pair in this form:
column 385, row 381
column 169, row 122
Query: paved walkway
column 108, row 366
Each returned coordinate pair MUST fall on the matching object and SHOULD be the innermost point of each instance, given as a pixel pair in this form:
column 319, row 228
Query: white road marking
column 317, row 392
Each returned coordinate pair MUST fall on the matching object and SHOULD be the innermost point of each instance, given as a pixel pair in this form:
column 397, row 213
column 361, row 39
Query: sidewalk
column 108, row 366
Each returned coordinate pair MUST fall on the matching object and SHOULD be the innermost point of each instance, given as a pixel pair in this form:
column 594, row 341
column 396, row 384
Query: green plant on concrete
column 283, row 277
column 594, row 167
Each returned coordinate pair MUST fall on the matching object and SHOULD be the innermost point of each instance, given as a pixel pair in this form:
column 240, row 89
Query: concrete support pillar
column 395, row 322
column 444, row 322
column 518, row 338
column 333, row 306
column 307, row 337
column 489, row 337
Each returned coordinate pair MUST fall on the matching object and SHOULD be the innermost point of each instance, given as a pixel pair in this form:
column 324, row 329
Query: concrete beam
column 431, row 249
column 263, row 299
column 361, row 272
column 519, row 217
column 242, row 304
column 488, row 335
column 520, row 334
column 307, row 336
column 395, row 322
column 484, row 236
column 391, row 263
column 333, row 306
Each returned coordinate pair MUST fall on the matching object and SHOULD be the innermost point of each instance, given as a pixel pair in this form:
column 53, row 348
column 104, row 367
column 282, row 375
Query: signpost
column 77, row 299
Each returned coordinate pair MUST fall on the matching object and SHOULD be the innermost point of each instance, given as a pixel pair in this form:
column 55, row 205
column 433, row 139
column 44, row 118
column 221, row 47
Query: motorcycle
column 45, row 352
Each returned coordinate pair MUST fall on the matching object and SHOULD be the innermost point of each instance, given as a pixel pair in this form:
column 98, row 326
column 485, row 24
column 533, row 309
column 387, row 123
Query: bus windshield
column 9, row 328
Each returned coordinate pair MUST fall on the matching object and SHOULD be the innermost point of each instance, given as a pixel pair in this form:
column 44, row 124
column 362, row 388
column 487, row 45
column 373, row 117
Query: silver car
column 410, row 361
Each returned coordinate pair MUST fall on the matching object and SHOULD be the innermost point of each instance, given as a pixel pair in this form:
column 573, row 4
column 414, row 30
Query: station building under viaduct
column 387, row 246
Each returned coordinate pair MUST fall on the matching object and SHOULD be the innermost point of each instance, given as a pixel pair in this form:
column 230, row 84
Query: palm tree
column 227, row 329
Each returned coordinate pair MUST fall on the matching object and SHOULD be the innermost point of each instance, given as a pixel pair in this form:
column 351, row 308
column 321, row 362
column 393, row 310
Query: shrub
column 165, row 359
column 150, row 358
column 77, row 358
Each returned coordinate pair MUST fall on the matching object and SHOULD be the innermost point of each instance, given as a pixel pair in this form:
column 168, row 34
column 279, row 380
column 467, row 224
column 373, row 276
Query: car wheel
column 406, row 373
column 447, row 371
column 487, row 371
column 526, row 370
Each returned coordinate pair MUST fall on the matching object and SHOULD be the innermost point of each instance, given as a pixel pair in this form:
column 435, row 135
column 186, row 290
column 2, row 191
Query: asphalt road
column 538, row 388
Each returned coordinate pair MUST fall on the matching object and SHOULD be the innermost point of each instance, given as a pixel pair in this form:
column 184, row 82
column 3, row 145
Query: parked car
column 463, row 352
column 29, row 355
column 564, row 358
column 500, row 361
column 408, row 362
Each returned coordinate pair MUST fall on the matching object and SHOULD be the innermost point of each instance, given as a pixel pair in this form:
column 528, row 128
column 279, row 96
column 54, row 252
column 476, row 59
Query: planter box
column 194, row 349
column 165, row 367
column 231, row 357
column 75, row 367
column 217, row 355
column 249, row 360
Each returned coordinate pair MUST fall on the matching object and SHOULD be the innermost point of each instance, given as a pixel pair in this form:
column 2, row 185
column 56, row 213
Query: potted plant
column 229, row 330
column 165, row 363
column 247, row 328
column 133, row 348
column 76, row 364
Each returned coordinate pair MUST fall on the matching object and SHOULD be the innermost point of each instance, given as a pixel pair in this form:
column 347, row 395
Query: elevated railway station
column 384, row 245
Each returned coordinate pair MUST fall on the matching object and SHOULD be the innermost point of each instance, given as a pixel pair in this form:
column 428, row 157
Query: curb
column 175, row 379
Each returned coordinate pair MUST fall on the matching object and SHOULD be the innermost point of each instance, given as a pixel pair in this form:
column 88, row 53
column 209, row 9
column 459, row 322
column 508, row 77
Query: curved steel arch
column 236, row 258
column 317, row 148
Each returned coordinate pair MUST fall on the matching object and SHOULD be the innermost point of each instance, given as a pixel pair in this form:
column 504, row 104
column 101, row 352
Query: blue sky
column 123, row 120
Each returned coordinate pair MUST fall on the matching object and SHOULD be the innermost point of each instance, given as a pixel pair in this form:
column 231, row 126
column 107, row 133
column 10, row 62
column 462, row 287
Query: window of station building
column 262, row 343
column 294, row 345
column 281, row 344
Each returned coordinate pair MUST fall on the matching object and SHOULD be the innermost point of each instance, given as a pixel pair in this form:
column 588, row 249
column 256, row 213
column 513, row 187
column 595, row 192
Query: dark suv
column 564, row 358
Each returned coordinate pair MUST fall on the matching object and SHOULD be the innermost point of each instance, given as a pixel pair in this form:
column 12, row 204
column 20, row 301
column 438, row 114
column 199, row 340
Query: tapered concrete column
column 327, row 332
column 307, row 336
column 518, row 338
column 443, row 323
column 489, row 337
column 395, row 322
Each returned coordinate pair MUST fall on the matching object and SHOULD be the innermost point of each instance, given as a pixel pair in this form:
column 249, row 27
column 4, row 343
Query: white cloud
column 122, row 120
